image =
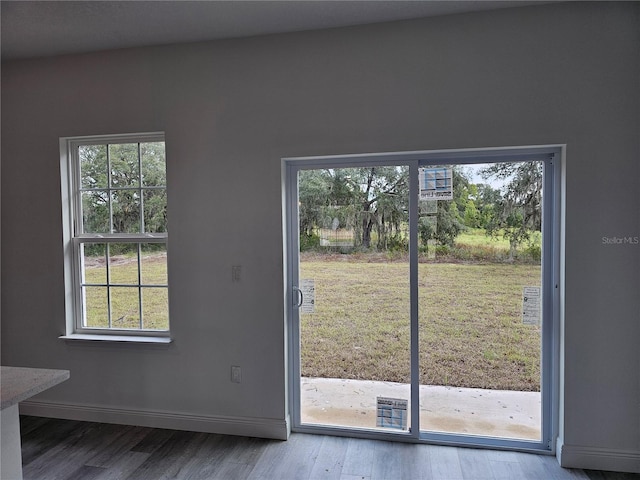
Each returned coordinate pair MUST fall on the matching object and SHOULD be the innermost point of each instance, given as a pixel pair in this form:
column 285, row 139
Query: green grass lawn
column 477, row 236
column 125, row 305
column 474, row 245
column 470, row 330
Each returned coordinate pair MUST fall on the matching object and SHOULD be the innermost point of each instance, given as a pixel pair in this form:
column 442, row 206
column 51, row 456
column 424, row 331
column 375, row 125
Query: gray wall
column 556, row 74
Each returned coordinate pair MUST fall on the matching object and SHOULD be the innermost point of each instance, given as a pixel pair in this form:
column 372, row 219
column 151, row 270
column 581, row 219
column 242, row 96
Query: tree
column 471, row 215
column 518, row 212
column 123, row 187
column 314, row 188
column 372, row 200
column 382, row 196
column 486, row 201
column 325, row 199
column 361, row 199
column 154, row 172
column 449, row 223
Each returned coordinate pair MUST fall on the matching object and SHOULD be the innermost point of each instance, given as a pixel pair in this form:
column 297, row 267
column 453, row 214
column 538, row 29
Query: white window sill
column 85, row 337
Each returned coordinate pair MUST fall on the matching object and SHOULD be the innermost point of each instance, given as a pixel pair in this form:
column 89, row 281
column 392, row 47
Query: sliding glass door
column 421, row 299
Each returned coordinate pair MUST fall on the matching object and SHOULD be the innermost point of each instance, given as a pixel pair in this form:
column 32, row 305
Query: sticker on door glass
column 436, row 183
column 392, row 413
column 308, row 290
column 531, row 305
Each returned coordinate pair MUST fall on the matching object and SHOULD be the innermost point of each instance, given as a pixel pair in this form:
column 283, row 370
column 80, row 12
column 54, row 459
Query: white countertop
column 19, row 383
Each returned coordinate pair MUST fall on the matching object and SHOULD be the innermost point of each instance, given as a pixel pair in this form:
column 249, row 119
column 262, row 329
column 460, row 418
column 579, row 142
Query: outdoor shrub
column 309, row 242
column 533, row 252
column 397, row 243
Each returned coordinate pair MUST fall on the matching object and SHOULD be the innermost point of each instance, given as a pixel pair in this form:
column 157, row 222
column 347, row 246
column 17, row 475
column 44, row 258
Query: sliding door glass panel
column 354, row 292
column 480, row 299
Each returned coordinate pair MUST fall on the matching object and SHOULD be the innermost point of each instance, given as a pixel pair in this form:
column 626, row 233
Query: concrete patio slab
column 471, row 411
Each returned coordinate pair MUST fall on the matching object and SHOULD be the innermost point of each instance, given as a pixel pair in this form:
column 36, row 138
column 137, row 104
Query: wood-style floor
column 65, row 449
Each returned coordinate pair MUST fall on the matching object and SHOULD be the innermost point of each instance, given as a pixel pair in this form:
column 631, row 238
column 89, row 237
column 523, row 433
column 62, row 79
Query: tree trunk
column 513, row 245
column 367, row 226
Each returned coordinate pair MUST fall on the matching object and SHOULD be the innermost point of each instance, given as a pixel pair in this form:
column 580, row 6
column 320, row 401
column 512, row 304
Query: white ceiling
column 47, row 28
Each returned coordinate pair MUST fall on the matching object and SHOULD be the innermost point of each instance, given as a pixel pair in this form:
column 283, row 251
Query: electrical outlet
column 235, row 273
column 236, row 374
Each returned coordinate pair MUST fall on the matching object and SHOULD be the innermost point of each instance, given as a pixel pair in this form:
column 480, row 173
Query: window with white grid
column 117, row 234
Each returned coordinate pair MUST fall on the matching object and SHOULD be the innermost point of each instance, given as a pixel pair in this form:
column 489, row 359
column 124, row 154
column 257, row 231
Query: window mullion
column 142, row 226
column 76, row 196
column 107, row 253
column 140, row 285
column 142, row 230
column 109, row 199
column 78, row 281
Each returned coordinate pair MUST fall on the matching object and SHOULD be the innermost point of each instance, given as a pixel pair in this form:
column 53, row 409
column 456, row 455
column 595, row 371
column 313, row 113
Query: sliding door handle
column 298, row 297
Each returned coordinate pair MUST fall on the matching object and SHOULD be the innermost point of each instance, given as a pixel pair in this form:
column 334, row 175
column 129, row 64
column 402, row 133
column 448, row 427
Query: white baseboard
column 241, row 426
column 575, row 456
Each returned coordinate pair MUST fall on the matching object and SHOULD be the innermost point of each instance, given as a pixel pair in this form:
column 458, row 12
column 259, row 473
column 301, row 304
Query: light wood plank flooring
column 65, row 449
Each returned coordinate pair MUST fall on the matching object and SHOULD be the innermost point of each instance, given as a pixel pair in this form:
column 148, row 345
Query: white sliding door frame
column 551, row 156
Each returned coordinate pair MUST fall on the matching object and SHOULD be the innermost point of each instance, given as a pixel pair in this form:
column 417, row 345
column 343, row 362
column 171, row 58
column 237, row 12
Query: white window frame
column 74, row 239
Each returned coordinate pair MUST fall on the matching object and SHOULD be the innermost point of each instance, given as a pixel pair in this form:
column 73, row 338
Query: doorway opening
column 422, row 299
